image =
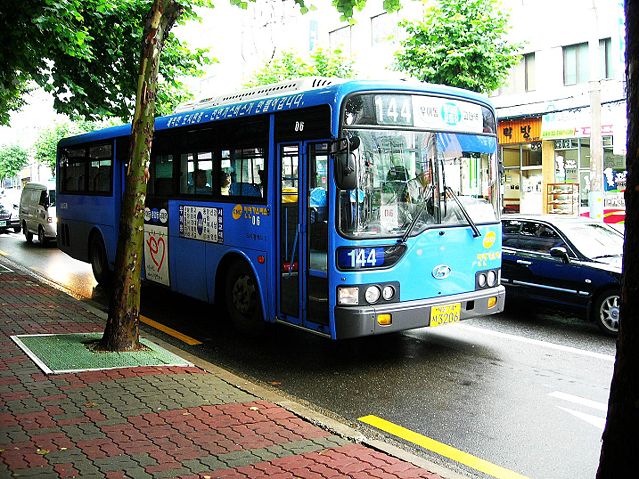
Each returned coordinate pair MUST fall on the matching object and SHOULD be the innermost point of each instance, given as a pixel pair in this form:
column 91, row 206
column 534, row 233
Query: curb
column 305, row 412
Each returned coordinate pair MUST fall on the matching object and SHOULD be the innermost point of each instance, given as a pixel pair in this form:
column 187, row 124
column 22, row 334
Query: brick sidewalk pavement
column 149, row 421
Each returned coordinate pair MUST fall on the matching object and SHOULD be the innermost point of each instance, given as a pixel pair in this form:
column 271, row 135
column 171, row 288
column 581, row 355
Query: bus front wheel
column 98, row 259
column 242, row 298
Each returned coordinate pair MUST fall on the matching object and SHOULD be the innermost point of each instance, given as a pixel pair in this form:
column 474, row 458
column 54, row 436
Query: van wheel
column 98, row 259
column 605, row 311
column 28, row 235
column 42, row 239
column 17, row 229
column 242, row 299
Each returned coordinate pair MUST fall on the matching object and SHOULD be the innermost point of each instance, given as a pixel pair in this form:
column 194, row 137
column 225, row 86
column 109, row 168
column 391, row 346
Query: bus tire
column 98, row 260
column 241, row 295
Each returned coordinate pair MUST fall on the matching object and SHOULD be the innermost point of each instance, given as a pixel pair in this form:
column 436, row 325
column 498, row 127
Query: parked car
column 37, row 212
column 572, row 263
column 9, row 217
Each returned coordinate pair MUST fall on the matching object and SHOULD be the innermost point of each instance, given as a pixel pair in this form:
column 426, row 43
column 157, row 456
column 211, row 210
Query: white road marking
column 598, row 422
column 599, row 406
column 537, row 342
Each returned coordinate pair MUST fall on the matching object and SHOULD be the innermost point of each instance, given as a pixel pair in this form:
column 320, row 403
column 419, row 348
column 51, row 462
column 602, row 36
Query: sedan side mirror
column 561, row 253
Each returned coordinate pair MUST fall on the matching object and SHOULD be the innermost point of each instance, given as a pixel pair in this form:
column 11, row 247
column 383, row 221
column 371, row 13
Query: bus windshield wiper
column 464, row 211
column 421, row 209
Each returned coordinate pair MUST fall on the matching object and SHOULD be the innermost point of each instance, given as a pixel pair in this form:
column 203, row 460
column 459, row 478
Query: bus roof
column 291, row 95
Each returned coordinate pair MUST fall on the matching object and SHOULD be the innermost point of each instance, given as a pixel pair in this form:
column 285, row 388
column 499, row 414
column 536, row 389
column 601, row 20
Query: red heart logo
column 157, row 248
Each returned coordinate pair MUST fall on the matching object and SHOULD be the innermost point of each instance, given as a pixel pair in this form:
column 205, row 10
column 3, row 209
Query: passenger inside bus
column 200, row 180
column 225, row 183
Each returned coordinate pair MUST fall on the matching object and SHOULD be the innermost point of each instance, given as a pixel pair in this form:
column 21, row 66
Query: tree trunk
column 620, row 448
column 122, row 328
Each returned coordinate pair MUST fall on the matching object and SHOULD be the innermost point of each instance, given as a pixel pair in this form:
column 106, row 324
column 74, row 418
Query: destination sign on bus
column 428, row 112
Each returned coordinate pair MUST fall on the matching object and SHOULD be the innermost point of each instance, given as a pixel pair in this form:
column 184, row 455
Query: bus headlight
column 388, row 292
column 487, row 279
column 348, row 295
column 372, row 294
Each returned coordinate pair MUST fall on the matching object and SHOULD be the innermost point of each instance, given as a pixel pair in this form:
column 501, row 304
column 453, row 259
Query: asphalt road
column 525, row 390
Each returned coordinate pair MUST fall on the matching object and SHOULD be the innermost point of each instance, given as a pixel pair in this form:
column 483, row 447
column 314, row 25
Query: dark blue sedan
column 567, row 262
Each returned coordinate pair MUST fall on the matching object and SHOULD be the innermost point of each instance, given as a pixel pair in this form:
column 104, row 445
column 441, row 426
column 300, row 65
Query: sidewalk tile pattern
column 149, row 422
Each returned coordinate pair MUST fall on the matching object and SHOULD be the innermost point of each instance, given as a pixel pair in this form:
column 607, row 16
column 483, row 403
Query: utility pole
column 595, row 195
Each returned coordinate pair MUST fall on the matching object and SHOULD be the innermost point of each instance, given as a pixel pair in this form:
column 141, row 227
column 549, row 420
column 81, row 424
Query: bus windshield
column 411, row 180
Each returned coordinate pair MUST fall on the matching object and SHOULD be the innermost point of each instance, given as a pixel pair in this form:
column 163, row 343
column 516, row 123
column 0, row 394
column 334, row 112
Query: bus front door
column 303, row 244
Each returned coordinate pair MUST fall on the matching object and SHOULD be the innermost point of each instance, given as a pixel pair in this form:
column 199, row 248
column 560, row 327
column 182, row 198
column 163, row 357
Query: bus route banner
column 202, row 223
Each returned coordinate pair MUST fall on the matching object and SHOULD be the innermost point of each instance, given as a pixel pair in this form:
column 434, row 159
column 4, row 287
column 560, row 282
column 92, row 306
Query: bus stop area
column 187, row 420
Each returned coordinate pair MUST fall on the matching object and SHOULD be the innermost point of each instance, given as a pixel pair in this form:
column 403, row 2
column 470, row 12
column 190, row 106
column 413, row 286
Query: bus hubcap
column 243, row 290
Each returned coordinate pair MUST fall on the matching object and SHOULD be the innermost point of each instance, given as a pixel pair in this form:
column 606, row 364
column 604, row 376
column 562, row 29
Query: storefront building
column 546, row 162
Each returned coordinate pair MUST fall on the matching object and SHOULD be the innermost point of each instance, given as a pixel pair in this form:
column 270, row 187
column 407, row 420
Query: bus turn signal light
column 384, row 319
column 492, row 301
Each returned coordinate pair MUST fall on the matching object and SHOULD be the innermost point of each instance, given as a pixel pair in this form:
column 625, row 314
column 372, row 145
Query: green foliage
column 460, row 43
column 347, row 7
column 12, row 159
column 87, row 53
column 288, row 65
column 47, row 142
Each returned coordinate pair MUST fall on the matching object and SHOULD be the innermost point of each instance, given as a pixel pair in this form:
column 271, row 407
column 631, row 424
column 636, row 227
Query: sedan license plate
column 445, row 314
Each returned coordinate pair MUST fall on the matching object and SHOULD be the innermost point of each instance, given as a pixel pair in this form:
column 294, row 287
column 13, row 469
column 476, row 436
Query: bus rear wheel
column 98, row 259
column 241, row 296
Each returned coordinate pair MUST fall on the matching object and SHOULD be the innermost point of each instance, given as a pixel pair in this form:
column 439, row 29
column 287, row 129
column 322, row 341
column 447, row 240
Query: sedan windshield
column 411, row 180
column 594, row 240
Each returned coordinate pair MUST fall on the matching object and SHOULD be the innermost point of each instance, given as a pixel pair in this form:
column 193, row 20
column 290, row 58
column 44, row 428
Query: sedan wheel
column 42, row 239
column 607, row 312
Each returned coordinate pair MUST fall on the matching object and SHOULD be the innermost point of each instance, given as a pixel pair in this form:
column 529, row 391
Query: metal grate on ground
column 70, row 353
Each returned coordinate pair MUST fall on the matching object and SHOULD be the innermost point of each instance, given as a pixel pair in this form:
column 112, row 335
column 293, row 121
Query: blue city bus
column 344, row 208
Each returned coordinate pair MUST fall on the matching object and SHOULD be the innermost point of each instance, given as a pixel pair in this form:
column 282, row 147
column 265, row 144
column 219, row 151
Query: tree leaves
column 86, row 53
column 324, row 63
column 459, row 43
column 12, row 159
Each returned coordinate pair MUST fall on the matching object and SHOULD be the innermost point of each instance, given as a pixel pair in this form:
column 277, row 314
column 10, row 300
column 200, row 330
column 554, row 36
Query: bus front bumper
column 356, row 321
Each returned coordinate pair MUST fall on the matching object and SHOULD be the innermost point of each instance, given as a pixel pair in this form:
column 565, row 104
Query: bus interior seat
column 163, row 186
column 244, row 189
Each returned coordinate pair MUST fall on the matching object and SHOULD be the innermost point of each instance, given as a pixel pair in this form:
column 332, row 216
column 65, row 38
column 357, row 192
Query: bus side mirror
column 345, row 168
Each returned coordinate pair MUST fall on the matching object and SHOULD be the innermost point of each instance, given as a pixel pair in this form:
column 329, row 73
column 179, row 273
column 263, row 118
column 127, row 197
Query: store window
column 605, row 61
column 340, row 39
column 522, row 178
column 384, row 28
column 522, row 77
column 576, row 62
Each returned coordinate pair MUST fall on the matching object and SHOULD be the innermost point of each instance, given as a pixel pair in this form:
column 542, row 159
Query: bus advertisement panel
column 345, row 208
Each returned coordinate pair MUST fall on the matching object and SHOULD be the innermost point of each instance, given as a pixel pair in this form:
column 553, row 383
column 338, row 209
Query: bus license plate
column 445, row 314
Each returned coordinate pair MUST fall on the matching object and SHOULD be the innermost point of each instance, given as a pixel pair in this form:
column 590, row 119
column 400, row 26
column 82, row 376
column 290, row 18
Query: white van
column 37, row 212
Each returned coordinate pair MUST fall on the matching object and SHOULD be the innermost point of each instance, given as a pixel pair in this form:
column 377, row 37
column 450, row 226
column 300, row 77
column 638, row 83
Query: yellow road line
column 441, row 448
column 171, row 332
column 2, row 253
